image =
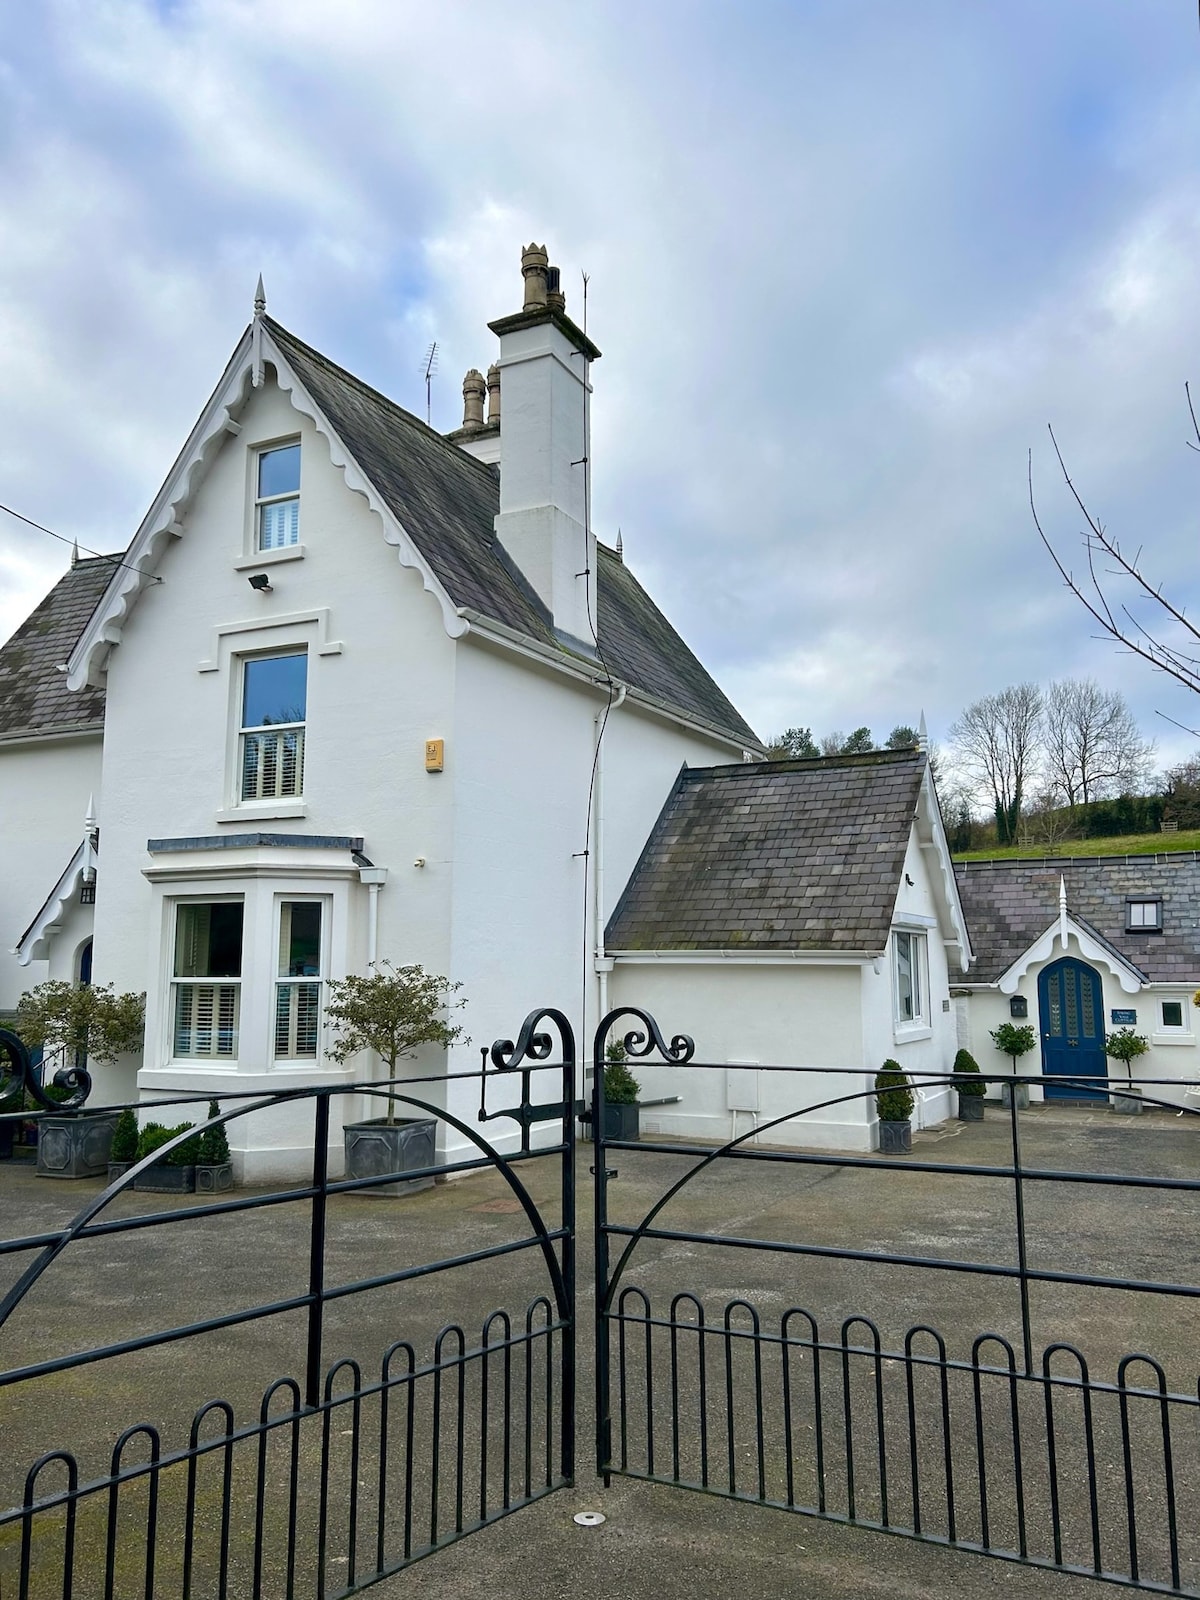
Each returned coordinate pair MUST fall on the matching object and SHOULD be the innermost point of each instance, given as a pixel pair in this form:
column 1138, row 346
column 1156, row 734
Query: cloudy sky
column 847, row 258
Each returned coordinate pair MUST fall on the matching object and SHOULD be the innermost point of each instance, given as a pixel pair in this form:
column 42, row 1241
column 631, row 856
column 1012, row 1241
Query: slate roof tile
column 795, row 855
column 447, row 502
column 34, row 698
column 1010, row 904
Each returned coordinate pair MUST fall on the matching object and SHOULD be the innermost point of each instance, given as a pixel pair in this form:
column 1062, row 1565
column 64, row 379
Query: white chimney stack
column 544, row 524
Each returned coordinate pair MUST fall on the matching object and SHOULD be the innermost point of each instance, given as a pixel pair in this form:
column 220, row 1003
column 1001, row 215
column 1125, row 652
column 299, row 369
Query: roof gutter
column 595, row 675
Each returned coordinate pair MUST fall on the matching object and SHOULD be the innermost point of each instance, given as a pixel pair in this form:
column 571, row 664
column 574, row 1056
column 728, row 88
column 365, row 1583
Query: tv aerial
column 430, row 369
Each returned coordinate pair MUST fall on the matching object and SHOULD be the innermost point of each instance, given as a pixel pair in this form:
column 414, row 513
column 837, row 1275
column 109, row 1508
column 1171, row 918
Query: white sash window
column 277, row 504
column 298, row 984
column 274, row 708
column 207, row 980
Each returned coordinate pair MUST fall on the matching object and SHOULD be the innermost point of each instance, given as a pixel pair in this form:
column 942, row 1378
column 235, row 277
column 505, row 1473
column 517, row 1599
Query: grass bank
column 1131, row 844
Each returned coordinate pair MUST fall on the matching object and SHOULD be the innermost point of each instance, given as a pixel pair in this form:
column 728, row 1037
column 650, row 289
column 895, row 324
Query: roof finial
column 922, row 734
column 89, row 816
column 75, row 553
column 1062, row 910
column 260, row 298
column 620, row 547
column 256, row 336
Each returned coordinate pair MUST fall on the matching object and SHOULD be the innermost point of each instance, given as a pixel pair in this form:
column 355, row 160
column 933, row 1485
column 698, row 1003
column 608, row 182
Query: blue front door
column 1071, row 1006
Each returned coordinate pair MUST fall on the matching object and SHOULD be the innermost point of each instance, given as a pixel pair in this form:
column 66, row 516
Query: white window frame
column 918, row 959
column 279, row 981
column 1169, row 1033
column 263, row 733
column 266, row 500
column 1137, row 903
column 216, row 1060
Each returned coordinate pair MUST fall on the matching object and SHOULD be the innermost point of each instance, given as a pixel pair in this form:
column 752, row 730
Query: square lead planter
column 75, row 1145
column 622, row 1121
column 376, row 1148
column 895, row 1138
column 970, row 1108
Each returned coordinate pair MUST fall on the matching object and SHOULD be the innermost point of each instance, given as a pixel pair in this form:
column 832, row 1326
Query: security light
column 260, row 582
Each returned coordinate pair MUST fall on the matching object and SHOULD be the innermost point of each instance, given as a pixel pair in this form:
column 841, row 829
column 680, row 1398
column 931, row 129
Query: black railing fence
column 966, row 1373
column 343, row 1472
column 1065, row 1454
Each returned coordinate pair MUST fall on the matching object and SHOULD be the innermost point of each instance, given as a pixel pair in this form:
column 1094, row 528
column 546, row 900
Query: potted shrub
column 1014, row 1042
column 214, row 1170
column 622, row 1119
column 1125, row 1045
column 123, row 1152
column 82, row 1022
column 174, row 1173
column 894, row 1102
column 970, row 1086
column 393, row 1011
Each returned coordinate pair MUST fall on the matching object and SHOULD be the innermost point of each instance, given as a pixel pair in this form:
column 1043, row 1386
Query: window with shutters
column 277, row 498
column 297, row 1020
column 207, row 980
column 274, row 708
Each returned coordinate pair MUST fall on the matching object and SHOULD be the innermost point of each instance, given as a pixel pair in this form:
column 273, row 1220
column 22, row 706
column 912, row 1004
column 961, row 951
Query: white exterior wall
column 930, row 1046
column 170, row 753
column 44, row 789
column 523, row 760
column 747, row 1013
column 1172, row 1055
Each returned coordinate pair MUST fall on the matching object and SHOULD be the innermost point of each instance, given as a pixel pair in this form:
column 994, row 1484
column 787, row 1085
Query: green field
column 1132, row 844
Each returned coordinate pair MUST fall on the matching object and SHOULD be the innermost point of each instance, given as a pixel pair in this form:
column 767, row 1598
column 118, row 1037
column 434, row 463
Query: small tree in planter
column 175, row 1173
column 123, row 1152
column 970, row 1085
column 622, row 1119
column 1125, row 1045
column 214, row 1170
column 82, row 1021
column 894, row 1102
column 393, row 1011
column 1015, row 1042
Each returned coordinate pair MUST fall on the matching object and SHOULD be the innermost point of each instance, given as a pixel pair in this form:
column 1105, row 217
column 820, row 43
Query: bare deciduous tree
column 996, row 743
column 1173, row 652
column 1092, row 744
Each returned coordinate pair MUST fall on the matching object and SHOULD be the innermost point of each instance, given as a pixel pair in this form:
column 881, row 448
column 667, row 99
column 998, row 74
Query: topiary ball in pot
column 894, row 1102
column 968, row 1080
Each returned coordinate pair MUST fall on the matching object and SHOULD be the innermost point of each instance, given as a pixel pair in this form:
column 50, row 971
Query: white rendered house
column 350, row 677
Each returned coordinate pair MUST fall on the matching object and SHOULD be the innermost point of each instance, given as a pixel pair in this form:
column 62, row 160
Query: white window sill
column 905, row 1035
column 269, row 558
column 263, row 813
column 1173, row 1036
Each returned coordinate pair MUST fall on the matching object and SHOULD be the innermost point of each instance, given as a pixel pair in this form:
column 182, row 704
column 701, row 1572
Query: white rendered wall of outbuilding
column 744, row 1016
column 171, row 748
column 44, row 789
column 928, row 1048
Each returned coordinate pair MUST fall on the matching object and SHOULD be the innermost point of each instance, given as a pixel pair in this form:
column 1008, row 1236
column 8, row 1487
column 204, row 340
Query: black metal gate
column 855, row 1365
column 328, row 1475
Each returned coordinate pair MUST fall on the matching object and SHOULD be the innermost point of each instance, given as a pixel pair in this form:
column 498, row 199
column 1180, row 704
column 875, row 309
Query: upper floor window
column 1143, row 916
column 277, row 503
column 274, row 707
column 909, row 958
column 207, row 979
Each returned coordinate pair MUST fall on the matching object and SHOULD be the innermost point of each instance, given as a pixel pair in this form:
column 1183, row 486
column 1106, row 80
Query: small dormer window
column 1143, row 916
column 277, row 503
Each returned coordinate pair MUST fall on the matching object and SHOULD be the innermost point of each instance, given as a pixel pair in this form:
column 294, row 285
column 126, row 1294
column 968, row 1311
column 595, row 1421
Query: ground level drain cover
column 589, row 1519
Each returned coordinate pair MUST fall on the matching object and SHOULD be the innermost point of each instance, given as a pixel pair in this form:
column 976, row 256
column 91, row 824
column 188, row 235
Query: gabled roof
column 34, row 698
column 447, row 502
column 1009, row 905
column 439, row 506
column 782, row 855
column 34, row 943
